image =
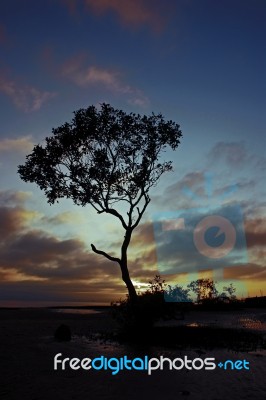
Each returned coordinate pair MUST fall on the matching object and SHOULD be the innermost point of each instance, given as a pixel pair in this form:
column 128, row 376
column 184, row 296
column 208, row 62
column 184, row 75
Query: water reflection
column 76, row 311
column 252, row 324
column 247, row 319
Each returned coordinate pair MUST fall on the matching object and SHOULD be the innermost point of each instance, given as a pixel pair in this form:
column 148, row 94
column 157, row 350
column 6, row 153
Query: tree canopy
column 103, row 157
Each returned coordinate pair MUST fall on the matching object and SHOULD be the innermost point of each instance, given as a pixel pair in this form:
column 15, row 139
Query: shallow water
column 247, row 319
column 76, row 311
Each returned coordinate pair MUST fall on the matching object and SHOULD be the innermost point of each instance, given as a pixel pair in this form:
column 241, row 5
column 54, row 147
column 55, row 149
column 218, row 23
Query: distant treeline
column 255, row 301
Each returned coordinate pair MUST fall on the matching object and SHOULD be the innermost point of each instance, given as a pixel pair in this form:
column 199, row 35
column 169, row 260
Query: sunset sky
column 199, row 63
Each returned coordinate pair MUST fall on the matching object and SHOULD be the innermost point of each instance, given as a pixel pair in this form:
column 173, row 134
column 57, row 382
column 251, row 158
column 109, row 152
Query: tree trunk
column 123, row 264
column 124, row 268
column 130, row 287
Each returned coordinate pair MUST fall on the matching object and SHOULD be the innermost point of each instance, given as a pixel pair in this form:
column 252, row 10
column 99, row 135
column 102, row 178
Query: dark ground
column 27, row 350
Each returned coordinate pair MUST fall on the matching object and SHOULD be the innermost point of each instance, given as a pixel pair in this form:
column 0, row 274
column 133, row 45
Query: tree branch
column 116, row 213
column 105, row 254
column 98, row 211
column 147, row 200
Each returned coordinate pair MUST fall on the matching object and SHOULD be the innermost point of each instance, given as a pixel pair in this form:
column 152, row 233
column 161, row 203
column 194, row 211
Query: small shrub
column 141, row 314
column 151, row 306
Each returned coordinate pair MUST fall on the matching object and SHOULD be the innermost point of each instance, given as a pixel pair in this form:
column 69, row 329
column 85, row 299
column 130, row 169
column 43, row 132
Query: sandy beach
column 28, row 349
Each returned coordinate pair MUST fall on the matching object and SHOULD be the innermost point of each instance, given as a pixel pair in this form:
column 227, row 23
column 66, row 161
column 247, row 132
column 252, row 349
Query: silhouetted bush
column 150, row 307
column 140, row 314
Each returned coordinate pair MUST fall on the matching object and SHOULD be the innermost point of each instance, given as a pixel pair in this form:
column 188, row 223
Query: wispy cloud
column 84, row 76
column 26, row 98
column 13, row 198
column 130, row 12
column 62, row 218
column 23, row 144
column 233, row 153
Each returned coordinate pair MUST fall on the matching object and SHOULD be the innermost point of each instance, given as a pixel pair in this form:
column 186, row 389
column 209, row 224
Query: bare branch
column 95, row 208
column 147, row 200
column 103, row 253
column 119, row 216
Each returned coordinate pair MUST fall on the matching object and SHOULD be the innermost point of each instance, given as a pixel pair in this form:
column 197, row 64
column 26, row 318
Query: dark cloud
column 233, row 153
column 256, row 239
column 37, row 265
column 230, row 171
column 52, row 269
column 243, row 187
column 256, row 232
column 32, row 259
column 37, row 254
column 183, row 193
column 34, row 292
column 12, row 221
column 250, row 271
column 143, row 236
column 11, row 198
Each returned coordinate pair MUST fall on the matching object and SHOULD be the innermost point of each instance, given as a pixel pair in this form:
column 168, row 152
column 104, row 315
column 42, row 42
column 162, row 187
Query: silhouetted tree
column 103, row 157
column 229, row 292
column 203, row 288
column 177, row 294
column 157, row 285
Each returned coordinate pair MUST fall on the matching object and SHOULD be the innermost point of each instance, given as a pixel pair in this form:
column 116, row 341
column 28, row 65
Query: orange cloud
column 130, row 12
column 14, row 220
column 12, row 275
column 23, row 144
column 143, row 235
column 247, row 272
column 256, row 232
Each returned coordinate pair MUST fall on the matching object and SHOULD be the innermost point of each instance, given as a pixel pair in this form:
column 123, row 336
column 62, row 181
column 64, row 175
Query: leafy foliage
column 102, row 157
